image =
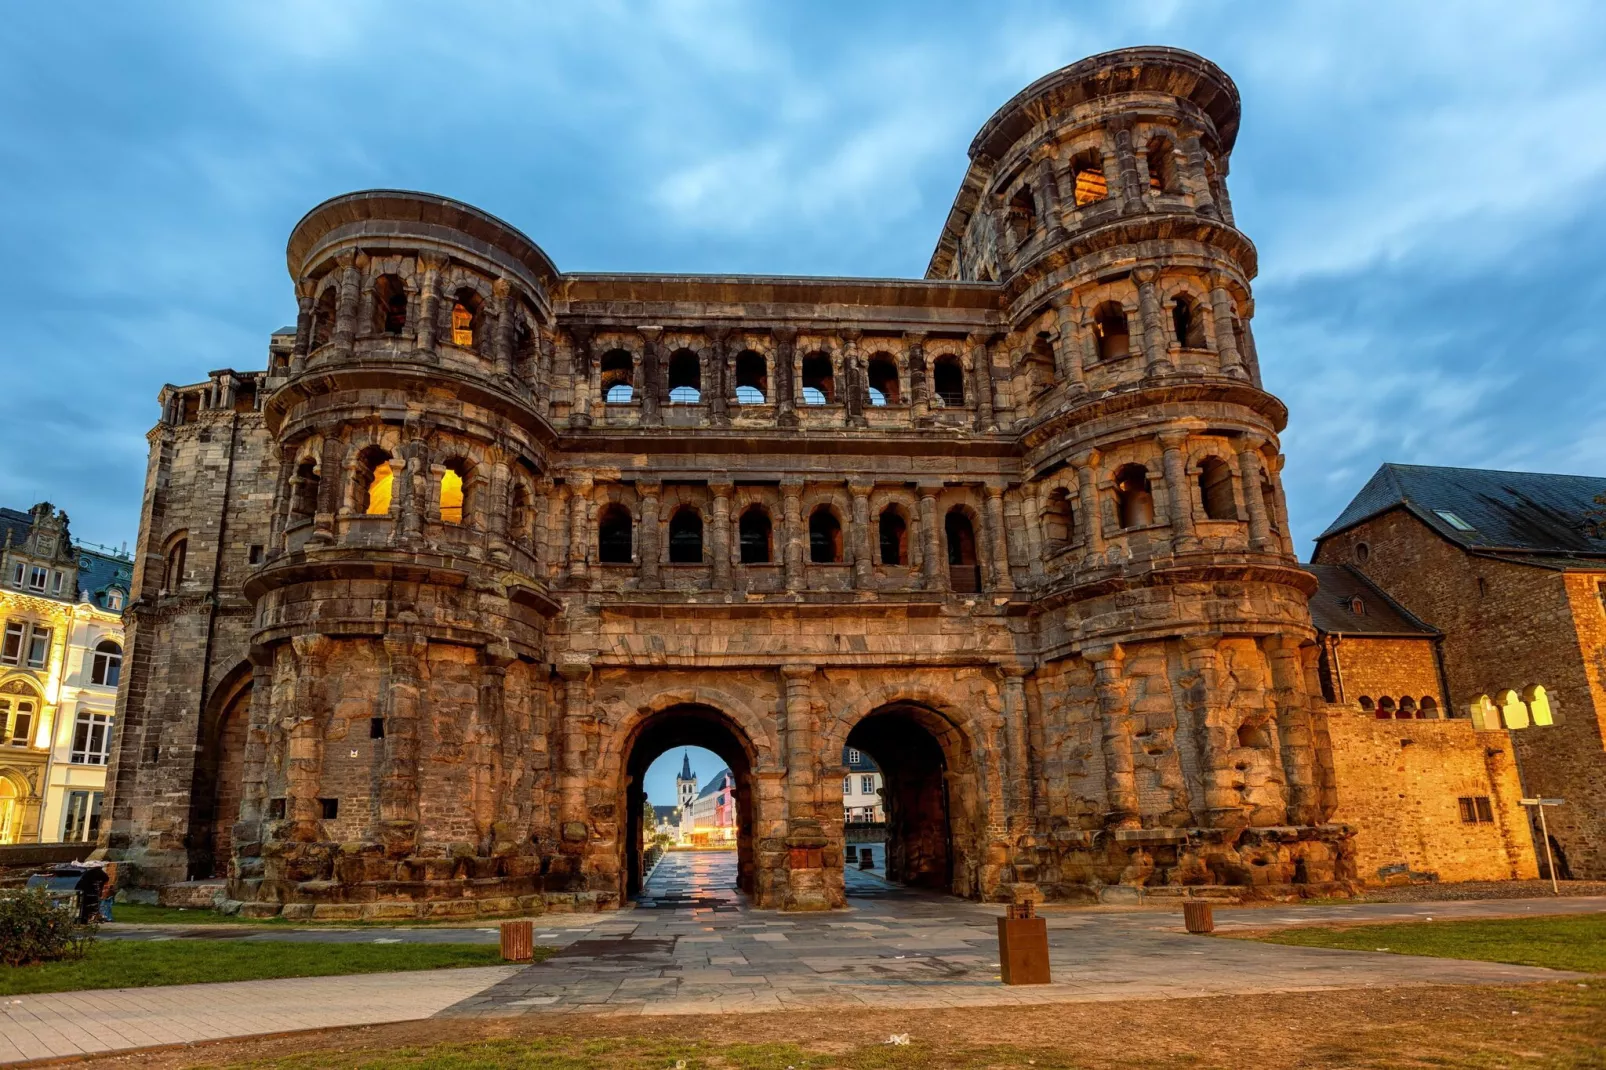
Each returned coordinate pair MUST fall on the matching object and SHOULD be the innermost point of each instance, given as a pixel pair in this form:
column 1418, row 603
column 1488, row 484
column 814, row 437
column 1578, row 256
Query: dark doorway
column 219, row 783
column 686, row 725
column 903, row 742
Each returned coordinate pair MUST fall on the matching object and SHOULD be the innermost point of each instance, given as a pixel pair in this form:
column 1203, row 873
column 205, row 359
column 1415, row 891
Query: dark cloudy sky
column 1425, row 182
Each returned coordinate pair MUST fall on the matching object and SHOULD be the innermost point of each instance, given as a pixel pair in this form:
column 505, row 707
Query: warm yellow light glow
column 1513, row 711
column 379, row 490
column 1090, row 187
column 451, row 498
column 1539, row 705
column 462, row 325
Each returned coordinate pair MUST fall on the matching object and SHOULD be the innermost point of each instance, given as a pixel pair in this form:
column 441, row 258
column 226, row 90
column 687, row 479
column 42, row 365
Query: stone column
column 1087, row 486
column 1017, row 748
column 331, row 489
column 283, row 493
column 488, row 743
column 580, row 373
column 716, row 377
column 919, row 387
column 1214, row 736
column 298, row 356
column 1221, row 318
column 652, row 376
column 1031, row 511
column 647, row 491
column 854, row 393
column 1126, row 159
column 1223, row 202
column 1068, row 347
column 1249, row 354
column 863, row 540
column 1120, row 784
column 997, row 538
column 1279, row 503
column 408, row 506
column 1203, row 200
column 981, row 365
column 1179, row 495
column 785, row 376
column 1293, row 728
column 429, row 304
column 1249, row 460
column 346, row 309
column 496, row 540
column 721, row 534
column 933, row 566
column 1050, row 209
column 502, row 335
column 576, row 675
column 1156, row 353
column 579, row 527
column 792, row 542
column 253, row 778
column 805, row 839
column 402, row 707
column 304, row 728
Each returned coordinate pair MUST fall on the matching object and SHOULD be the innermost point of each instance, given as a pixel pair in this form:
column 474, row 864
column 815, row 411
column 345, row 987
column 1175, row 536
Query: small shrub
column 34, row 928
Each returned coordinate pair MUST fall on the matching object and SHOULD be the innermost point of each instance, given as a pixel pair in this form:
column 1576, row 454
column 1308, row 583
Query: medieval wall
column 1372, row 670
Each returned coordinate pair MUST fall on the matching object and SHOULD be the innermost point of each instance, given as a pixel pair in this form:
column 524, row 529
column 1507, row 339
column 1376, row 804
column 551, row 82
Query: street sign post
column 1544, row 831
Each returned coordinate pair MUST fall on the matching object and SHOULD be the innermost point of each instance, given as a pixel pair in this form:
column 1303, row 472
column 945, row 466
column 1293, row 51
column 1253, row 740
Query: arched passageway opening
column 219, row 783
column 916, row 751
column 685, row 725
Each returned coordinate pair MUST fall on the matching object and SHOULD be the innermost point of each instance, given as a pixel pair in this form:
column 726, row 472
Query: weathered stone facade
column 1016, row 531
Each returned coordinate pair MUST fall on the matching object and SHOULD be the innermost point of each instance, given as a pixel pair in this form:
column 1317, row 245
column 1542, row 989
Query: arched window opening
column 1428, row 709
column 114, row 599
column 752, row 378
column 1268, row 496
column 894, row 530
column 963, row 573
column 685, row 378
column 524, row 342
column 323, row 317
column 948, row 379
column 1134, row 499
column 1538, row 702
column 819, row 386
column 375, row 482
column 466, row 319
column 1162, row 165
column 390, row 305
column 613, row 535
column 753, row 532
column 107, row 668
column 1187, row 323
column 1109, row 326
column 1407, row 709
column 1254, row 736
column 1022, row 216
column 825, row 536
column 1385, row 709
column 1087, row 171
column 1215, row 490
column 618, row 377
column 1513, row 711
column 304, row 491
column 1059, row 522
column 883, row 377
column 454, row 492
column 686, row 537
column 1367, row 704
column 173, row 573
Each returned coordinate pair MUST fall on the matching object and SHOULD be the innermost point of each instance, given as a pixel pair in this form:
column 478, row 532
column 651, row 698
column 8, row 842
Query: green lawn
column 146, row 914
column 142, row 963
column 1561, row 943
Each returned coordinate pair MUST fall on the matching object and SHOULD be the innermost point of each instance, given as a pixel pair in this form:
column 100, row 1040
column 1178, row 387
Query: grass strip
column 1559, row 943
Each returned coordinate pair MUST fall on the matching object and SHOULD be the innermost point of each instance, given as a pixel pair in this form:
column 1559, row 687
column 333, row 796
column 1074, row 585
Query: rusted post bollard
column 518, row 941
column 1198, row 917
column 1023, row 946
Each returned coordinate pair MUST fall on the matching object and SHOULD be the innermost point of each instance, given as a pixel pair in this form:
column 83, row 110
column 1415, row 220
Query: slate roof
column 1331, row 612
column 716, row 782
column 15, row 522
column 865, row 764
column 98, row 572
column 1536, row 516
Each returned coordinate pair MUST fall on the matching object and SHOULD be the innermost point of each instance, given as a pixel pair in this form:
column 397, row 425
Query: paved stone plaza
column 692, row 945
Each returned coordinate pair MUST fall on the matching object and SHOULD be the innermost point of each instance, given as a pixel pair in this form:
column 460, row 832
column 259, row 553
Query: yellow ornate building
column 60, row 662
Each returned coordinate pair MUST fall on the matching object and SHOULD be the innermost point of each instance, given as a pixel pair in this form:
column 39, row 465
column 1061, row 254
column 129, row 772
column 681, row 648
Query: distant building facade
column 61, row 659
column 861, row 789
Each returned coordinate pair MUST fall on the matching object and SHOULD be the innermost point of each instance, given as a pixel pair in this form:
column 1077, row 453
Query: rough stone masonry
column 418, row 604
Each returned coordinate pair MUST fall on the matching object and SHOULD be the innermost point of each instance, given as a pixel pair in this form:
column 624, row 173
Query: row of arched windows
column 1405, row 709
column 465, row 315
column 1089, row 185
column 1513, row 709
column 819, row 385
column 1134, row 501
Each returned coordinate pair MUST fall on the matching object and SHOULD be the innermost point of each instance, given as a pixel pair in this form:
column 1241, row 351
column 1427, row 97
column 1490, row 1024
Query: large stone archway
column 218, row 786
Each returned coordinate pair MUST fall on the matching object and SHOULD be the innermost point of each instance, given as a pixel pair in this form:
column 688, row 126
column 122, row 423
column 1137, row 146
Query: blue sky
column 1423, row 181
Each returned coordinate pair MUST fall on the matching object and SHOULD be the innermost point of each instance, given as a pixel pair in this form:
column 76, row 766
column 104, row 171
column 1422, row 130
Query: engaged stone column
column 998, row 540
column 1018, row 798
column 981, row 365
column 652, row 376
column 805, row 839
column 919, row 387
column 1068, row 347
column 579, row 526
column 304, row 727
column 792, row 523
column 647, row 539
column 785, row 367
column 1049, row 198
column 1087, row 486
column 1179, row 496
column 1293, row 728
column 331, row 484
column 1214, row 736
column 580, row 372
column 721, row 534
column 1156, row 353
column 863, row 561
column 1249, row 461
column 502, row 337
column 1126, row 159
column 933, row 570
column 853, row 393
column 1120, row 784
column 408, row 505
column 298, row 356
column 429, row 304
column 401, row 705
column 346, row 309
column 1279, row 503
column 496, row 539
column 576, row 675
column 716, row 377
column 1226, row 341
column 1203, row 200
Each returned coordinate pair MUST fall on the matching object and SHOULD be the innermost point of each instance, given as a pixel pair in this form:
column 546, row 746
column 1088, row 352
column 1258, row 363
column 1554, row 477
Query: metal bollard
column 1198, row 917
column 518, row 941
column 1023, row 946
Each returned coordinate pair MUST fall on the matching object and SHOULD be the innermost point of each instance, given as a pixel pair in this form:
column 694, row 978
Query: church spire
column 685, row 766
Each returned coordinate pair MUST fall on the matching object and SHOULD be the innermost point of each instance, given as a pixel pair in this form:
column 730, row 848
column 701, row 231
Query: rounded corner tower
column 1015, row 531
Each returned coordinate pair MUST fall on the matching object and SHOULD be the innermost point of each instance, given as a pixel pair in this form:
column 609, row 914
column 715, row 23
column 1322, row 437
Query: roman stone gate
column 418, row 603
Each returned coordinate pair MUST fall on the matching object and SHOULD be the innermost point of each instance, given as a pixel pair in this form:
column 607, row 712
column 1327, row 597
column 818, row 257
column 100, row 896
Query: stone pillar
column 791, row 533
column 1203, row 200
column 855, row 385
column 303, row 727
column 408, row 504
column 580, row 371
column 717, row 378
column 1069, row 355
column 1293, row 728
column 402, row 707
column 429, row 304
column 1221, row 318
column 1223, row 202
column 579, row 526
column 785, row 376
column 981, row 366
column 1279, row 503
column 997, row 538
column 496, row 538
column 1249, row 460
column 572, row 809
column 933, row 566
column 1019, row 805
column 1179, row 495
column 652, row 376
column 253, row 778
column 1130, row 187
column 1120, row 784
column 1031, row 511
column 647, row 538
column 346, row 309
column 331, row 489
column 502, row 336
column 284, row 491
column 721, row 534
column 488, row 744
column 1156, row 353
column 1049, row 200
column 863, row 539
column 1087, row 486
column 1213, row 734
column 919, row 386
column 805, row 839
column 298, row 356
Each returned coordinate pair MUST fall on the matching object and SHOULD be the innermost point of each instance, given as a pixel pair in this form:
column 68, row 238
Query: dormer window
column 114, row 599
column 1357, row 606
column 1453, row 520
column 37, row 577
